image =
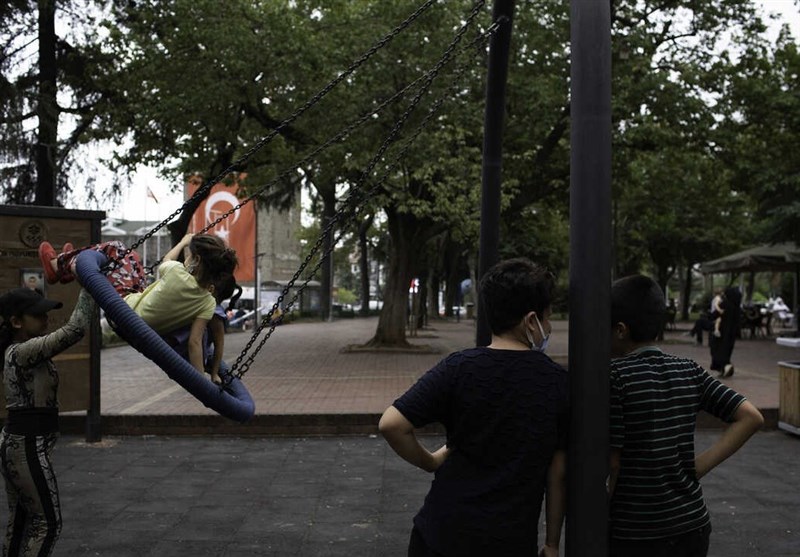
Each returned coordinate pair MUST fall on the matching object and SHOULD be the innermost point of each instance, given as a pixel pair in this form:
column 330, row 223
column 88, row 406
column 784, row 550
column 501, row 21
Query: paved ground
column 238, row 497
column 346, row 495
column 302, row 370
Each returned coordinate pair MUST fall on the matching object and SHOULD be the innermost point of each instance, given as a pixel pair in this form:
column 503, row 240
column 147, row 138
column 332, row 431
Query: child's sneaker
column 46, row 256
column 63, row 269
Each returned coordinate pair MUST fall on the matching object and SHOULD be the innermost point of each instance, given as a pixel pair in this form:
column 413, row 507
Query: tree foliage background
column 705, row 120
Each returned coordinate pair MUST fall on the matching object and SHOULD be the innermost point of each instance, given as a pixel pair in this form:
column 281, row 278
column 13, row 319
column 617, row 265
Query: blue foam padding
column 234, row 401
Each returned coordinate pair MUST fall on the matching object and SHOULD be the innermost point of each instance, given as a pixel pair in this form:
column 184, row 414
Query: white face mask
column 545, row 338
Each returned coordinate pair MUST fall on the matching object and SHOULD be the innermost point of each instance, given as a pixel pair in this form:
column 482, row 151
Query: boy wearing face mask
column 504, row 407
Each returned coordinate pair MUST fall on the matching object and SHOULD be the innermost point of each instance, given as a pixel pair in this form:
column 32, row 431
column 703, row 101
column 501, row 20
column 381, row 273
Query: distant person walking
column 722, row 346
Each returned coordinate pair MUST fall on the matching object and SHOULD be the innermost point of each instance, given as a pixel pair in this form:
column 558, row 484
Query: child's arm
column 175, row 252
column 195, row 344
column 217, row 326
column 38, row 349
column 555, row 504
column 399, row 433
column 746, row 421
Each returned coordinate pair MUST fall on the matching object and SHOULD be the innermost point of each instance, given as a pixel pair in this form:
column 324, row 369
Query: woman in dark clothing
column 504, row 407
column 722, row 346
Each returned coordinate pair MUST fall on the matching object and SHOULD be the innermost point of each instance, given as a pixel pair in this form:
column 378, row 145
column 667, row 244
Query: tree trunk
column 433, row 294
column 363, row 263
column 328, row 195
column 177, row 228
column 663, row 274
column 423, row 300
column 47, row 107
column 687, row 293
column 452, row 281
column 391, row 329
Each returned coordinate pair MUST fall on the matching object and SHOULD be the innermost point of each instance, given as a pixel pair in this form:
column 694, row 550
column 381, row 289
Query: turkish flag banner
column 238, row 229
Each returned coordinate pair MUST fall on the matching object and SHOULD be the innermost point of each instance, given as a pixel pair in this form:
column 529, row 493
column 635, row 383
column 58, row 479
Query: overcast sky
column 134, row 204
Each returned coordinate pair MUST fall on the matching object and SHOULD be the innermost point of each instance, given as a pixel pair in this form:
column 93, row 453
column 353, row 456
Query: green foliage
column 76, row 59
column 345, row 296
column 674, row 198
column 705, row 117
column 761, row 133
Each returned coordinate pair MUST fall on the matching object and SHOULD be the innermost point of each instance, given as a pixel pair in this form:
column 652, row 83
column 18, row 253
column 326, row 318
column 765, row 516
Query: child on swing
column 214, row 336
column 183, row 294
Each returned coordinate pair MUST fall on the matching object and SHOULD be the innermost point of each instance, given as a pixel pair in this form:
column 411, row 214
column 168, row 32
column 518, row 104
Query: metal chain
column 294, row 116
column 335, row 138
column 241, row 366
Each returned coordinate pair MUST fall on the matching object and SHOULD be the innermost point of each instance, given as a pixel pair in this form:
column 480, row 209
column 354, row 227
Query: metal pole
column 589, row 278
column 796, row 308
column 257, row 277
column 94, row 430
column 499, row 48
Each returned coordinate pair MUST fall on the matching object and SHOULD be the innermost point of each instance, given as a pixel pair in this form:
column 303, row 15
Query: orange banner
column 238, row 230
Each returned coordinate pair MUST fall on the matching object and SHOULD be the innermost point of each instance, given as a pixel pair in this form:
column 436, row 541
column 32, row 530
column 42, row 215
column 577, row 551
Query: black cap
column 25, row 300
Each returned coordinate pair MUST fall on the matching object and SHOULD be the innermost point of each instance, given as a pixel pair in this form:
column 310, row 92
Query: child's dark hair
column 6, row 338
column 226, row 288
column 216, row 259
column 511, row 289
column 638, row 302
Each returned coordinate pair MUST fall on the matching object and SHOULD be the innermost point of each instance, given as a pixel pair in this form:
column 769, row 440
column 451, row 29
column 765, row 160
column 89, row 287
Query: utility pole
column 589, row 278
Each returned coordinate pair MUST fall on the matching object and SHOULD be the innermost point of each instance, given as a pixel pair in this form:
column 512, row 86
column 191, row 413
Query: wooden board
column 789, row 399
column 19, row 244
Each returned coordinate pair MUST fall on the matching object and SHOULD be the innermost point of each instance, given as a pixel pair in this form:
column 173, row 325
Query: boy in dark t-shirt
column 505, row 409
column 657, row 505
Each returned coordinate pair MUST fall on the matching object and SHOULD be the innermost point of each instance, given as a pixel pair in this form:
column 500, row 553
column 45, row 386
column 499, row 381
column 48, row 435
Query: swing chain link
column 294, row 116
column 242, row 366
column 339, row 136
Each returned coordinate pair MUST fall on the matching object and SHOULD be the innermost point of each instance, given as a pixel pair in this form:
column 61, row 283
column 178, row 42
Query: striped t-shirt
column 655, row 398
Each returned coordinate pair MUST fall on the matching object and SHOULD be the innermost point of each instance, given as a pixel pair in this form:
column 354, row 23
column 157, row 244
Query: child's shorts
column 127, row 276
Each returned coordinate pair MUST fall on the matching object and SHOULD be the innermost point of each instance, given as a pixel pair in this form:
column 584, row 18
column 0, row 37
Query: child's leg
column 128, row 276
column 28, row 468
column 717, row 324
column 17, row 519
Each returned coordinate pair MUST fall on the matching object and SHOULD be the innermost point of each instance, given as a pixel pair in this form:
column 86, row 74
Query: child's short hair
column 226, row 288
column 511, row 289
column 638, row 302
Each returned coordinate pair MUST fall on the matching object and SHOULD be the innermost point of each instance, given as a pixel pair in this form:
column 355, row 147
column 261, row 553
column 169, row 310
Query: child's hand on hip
column 439, row 456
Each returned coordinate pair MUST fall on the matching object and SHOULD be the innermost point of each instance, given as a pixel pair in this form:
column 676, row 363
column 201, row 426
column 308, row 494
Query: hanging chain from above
column 356, row 199
column 294, row 116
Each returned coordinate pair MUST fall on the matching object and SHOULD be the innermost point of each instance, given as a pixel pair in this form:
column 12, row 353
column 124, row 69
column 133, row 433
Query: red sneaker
column 46, row 255
column 64, row 270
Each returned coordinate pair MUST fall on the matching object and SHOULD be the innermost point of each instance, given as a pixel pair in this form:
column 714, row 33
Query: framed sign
column 33, row 279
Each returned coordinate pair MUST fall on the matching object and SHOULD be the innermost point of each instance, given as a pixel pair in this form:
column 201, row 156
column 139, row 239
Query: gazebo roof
column 774, row 257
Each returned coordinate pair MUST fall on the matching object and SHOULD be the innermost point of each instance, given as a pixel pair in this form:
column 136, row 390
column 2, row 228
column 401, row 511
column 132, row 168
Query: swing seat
column 233, row 401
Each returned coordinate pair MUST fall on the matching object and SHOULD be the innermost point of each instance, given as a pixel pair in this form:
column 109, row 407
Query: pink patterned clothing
column 127, row 276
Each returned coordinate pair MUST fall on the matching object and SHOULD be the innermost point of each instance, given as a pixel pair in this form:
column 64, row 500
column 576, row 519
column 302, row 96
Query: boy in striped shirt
column 657, row 505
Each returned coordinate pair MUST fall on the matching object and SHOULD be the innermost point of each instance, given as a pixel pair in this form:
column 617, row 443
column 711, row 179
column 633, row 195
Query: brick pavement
column 302, row 370
column 309, row 497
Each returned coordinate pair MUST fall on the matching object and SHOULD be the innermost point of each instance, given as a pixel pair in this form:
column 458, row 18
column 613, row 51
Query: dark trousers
column 702, row 324
column 418, row 548
column 34, row 511
column 691, row 544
